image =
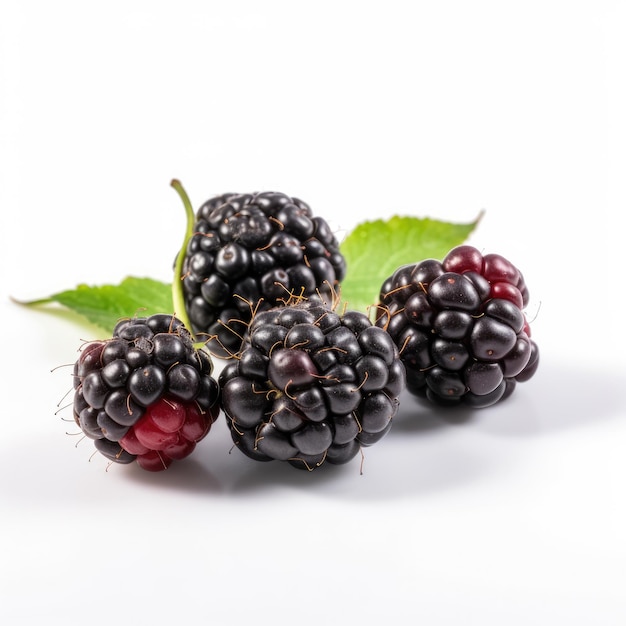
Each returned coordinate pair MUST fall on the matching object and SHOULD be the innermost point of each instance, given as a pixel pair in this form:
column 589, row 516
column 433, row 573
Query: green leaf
column 375, row 249
column 105, row 305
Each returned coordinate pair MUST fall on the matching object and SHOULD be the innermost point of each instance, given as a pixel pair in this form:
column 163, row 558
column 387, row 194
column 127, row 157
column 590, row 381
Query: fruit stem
column 178, row 298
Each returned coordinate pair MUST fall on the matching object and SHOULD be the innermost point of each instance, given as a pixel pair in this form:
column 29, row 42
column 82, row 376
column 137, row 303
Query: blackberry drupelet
column 251, row 252
column 311, row 386
column 460, row 327
column 146, row 394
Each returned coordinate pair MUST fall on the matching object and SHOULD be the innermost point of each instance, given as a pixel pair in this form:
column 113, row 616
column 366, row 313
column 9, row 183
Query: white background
column 515, row 515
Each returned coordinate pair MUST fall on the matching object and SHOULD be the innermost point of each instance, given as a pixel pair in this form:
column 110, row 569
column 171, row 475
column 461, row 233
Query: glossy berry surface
column 250, row 252
column 146, row 394
column 311, row 386
column 460, row 327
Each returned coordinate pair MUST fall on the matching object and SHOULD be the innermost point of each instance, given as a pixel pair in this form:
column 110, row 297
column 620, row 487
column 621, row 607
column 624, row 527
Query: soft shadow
column 279, row 475
column 391, row 469
column 558, row 397
column 420, row 460
column 417, row 416
column 239, row 474
column 430, row 449
column 185, row 476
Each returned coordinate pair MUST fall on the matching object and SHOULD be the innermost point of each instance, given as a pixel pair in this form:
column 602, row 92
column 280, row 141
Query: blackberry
column 251, row 252
column 311, row 386
column 460, row 327
column 146, row 394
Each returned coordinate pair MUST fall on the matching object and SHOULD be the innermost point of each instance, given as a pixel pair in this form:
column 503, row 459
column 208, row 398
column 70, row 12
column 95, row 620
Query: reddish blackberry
column 250, row 252
column 146, row 394
column 311, row 386
column 460, row 327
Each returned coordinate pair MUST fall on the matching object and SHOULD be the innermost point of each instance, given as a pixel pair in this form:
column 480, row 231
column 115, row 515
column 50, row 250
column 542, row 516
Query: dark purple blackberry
column 146, row 394
column 251, row 252
column 460, row 327
column 311, row 386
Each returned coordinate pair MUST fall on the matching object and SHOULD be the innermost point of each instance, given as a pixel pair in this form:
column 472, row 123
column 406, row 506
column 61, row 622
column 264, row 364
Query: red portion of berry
column 498, row 269
column 151, row 436
column 153, row 461
column 180, row 450
column 167, row 415
column 196, row 424
column 463, row 259
column 131, row 444
column 167, row 431
column 507, row 291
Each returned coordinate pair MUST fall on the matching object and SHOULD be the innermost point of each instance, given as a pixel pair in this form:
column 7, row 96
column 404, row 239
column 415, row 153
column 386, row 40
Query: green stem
column 178, row 297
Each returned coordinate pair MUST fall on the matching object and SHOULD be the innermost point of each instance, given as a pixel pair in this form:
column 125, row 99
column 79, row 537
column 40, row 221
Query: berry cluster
column 460, row 327
column 146, row 394
column 249, row 252
column 311, row 386
column 304, row 383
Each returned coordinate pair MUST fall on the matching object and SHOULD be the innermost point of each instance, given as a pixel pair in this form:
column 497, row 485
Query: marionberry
column 311, row 386
column 146, row 394
column 251, row 252
column 460, row 327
